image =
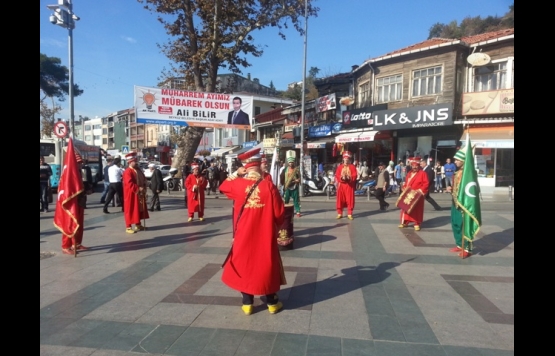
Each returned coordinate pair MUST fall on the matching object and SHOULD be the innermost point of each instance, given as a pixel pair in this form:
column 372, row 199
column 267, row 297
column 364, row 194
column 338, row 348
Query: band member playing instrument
column 416, row 184
column 134, row 195
column 291, row 176
column 346, row 175
column 195, row 184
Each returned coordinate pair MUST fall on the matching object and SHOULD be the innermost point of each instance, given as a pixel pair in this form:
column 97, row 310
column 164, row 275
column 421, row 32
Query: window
column 97, row 137
column 426, row 81
column 494, row 76
column 390, row 88
column 256, row 110
column 97, row 127
column 88, row 138
column 105, row 131
column 87, row 127
column 364, row 92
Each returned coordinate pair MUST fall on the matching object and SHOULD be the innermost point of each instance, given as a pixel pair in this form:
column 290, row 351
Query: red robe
column 268, row 177
column 134, row 204
column 195, row 200
column 254, row 265
column 346, row 190
column 418, row 181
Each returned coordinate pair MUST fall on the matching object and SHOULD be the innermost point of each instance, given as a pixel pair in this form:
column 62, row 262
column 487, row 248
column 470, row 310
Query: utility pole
column 301, row 162
column 63, row 16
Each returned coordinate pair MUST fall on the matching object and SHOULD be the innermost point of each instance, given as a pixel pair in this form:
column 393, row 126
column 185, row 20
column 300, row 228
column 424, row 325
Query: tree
column 213, row 34
column 54, row 79
column 47, row 117
column 272, row 86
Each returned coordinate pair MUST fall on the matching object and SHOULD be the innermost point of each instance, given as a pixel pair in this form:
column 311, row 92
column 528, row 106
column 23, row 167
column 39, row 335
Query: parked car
column 165, row 169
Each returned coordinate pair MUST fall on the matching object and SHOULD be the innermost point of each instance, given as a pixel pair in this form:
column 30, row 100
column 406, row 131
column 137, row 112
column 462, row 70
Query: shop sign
column 336, row 128
column 320, row 130
column 289, row 128
column 325, row 103
column 269, row 143
column 489, row 102
column 316, row 145
column 287, row 142
column 360, row 117
column 250, row 144
column 414, row 117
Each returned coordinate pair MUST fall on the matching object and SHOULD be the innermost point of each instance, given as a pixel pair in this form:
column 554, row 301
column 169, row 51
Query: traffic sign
column 60, row 129
column 125, row 149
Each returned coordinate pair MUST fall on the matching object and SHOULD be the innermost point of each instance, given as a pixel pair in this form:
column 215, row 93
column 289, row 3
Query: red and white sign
column 60, row 129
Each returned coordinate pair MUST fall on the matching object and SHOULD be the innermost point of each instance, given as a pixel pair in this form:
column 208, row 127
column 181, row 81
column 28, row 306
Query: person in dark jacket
column 86, row 173
column 156, row 186
column 431, row 179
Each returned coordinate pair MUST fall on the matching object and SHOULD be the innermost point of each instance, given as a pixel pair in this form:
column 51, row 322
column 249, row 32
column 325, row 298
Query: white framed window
column 88, row 138
column 364, row 92
column 494, row 76
column 427, row 81
column 389, row 88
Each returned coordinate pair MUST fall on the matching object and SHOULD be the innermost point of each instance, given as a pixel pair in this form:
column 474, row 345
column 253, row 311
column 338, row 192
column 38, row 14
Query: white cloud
column 129, row 39
column 53, row 42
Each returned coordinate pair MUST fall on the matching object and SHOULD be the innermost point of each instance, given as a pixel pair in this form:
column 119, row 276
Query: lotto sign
column 60, row 129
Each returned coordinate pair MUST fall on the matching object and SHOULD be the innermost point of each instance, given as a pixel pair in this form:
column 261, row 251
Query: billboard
column 191, row 108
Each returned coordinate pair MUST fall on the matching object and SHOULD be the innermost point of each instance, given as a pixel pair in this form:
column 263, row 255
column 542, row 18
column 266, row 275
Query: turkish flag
column 69, row 187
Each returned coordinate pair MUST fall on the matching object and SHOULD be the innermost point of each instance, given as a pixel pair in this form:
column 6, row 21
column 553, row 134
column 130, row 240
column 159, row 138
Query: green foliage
column 471, row 26
column 54, row 78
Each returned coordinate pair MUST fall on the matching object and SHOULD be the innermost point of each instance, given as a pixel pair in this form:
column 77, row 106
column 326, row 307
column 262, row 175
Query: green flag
column 468, row 197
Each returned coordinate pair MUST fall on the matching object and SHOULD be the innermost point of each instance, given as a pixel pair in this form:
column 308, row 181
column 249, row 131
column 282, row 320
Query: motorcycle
column 172, row 183
column 368, row 186
column 319, row 185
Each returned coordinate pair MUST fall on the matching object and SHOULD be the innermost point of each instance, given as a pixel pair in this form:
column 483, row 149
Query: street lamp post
column 63, row 16
column 301, row 162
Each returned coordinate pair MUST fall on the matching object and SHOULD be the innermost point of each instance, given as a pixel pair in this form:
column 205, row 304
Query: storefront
column 494, row 147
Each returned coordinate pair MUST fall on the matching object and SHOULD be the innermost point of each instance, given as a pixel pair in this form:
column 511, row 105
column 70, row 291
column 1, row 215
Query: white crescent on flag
column 467, row 189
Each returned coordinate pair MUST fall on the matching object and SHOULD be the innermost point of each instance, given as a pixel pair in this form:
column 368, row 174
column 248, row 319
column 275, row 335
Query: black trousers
column 432, row 201
column 44, row 195
column 380, row 195
column 115, row 188
column 154, row 201
column 269, row 299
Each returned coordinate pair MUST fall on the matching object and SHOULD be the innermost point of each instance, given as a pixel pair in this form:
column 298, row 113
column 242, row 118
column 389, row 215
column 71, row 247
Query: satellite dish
column 478, row 59
column 347, row 100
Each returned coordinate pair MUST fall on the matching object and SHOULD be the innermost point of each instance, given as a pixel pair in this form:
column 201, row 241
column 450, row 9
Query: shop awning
column 222, row 151
column 492, row 137
column 356, row 137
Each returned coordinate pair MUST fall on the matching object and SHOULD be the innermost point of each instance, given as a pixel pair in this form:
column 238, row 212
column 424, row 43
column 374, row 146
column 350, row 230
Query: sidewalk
column 360, row 287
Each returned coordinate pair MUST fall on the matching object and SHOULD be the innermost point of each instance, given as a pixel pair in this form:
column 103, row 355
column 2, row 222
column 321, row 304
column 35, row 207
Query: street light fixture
column 63, row 16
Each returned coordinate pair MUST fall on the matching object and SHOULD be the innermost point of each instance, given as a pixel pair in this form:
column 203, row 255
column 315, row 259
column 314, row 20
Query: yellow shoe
column 201, row 219
column 247, row 309
column 350, row 217
column 139, row 228
column 274, row 308
column 190, row 219
column 416, row 227
column 403, row 225
column 130, row 230
column 339, row 216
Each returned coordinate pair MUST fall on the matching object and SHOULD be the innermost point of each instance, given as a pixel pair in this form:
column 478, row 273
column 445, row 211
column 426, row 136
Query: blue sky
column 115, row 43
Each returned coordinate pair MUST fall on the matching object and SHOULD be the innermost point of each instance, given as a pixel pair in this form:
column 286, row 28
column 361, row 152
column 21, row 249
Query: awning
column 222, row 151
column 492, row 137
column 243, row 150
column 356, row 137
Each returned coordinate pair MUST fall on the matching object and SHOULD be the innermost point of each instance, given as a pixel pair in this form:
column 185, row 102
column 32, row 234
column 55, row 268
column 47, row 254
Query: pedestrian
column 156, row 187
column 70, row 214
column 391, row 180
column 109, row 162
column 466, row 215
column 291, row 178
column 86, row 173
column 345, row 175
column 399, row 173
column 253, row 265
column 449, row 170
column 414, row 190
column 430, row 173
column 45, row 173
column 115, row 174
column 195, row 185
column 213, row 178
column 439, row 171
column 134, row 195
column 382, row 183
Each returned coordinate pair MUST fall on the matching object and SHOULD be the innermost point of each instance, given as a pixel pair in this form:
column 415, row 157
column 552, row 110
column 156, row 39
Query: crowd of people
column 253, row 265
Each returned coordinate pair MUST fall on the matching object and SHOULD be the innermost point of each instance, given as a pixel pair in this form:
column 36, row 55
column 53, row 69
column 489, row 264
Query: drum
column 285, row 232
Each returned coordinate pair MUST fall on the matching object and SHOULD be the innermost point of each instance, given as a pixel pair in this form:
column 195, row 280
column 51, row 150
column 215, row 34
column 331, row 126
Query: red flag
column 69, row 187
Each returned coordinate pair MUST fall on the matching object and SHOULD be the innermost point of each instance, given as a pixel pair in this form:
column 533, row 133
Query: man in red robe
column 134, row 195
column 195, row 184
column 417, row 180
column 253, row 265
column 70, row 206
column 346, row 176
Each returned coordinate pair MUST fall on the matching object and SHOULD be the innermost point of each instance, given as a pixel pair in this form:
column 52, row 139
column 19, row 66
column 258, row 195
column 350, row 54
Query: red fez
column 347, row 154
column 194, row 166
column 131, row 156
column 251, row 158
column 415, row 161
